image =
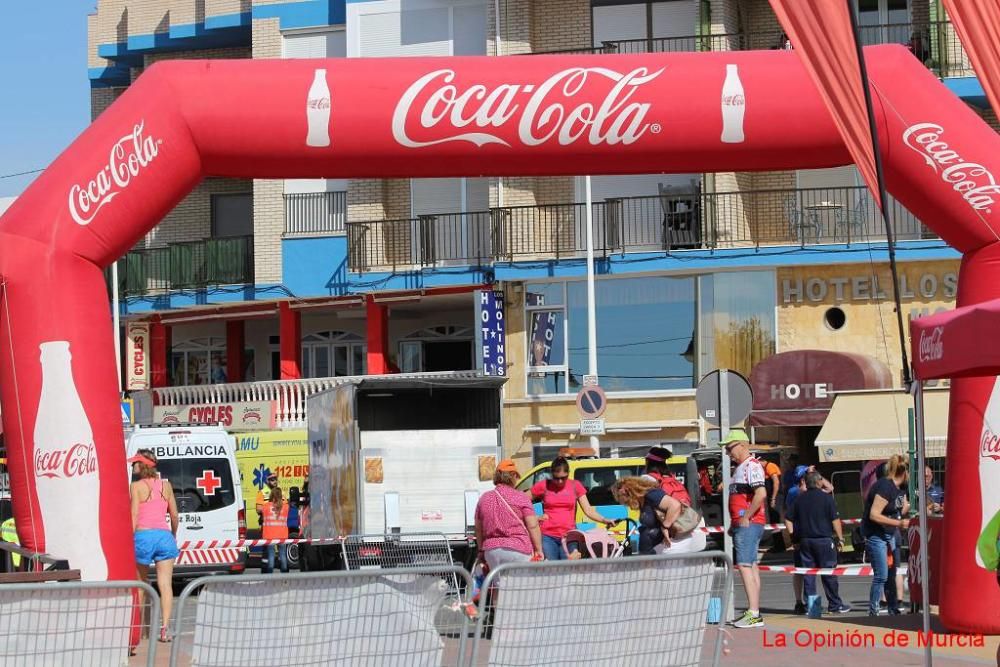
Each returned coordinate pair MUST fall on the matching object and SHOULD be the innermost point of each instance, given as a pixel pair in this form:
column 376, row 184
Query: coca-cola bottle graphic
column 66, row 474
column 318, row 111
column 733, row 107
column 987, row 555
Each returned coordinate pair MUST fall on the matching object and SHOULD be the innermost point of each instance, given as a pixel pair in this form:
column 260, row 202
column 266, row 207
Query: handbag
column 685, row 523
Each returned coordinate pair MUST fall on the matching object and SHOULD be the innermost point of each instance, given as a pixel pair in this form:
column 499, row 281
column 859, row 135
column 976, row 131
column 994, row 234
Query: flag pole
column 880, row 177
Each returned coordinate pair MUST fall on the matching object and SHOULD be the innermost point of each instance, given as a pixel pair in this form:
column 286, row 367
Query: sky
column 45, row 94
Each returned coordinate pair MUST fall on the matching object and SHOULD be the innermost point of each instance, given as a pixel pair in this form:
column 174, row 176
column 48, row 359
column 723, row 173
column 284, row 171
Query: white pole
column 595, row 443
column 925, row 587
column 116, row 319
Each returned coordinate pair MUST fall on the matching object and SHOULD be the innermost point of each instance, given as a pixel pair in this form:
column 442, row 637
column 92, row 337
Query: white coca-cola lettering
column 76, row 460
column 989, row 447
column 973, row 181
column 318, row 103
column 734, row 100
column 612, row 120
column 932, row 344
column 128, row 157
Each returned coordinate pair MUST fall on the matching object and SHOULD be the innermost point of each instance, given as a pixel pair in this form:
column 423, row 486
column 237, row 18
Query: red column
column 235, row 343
column 290, row 337
column 159, row 353
column 378, row 337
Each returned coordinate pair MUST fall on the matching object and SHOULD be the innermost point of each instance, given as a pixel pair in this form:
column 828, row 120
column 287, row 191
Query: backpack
column 676, row 490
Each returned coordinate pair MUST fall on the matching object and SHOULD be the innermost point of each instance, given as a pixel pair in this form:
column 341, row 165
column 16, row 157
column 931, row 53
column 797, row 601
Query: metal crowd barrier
column 393, row 551
column 405, row 616
column 82, row 624
column 644, row 610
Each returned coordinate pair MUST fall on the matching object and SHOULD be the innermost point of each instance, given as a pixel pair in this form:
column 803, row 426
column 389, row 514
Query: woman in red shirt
column 559, row 497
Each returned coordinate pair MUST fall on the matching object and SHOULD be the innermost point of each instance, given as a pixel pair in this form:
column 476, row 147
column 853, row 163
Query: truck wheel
column 294, row 562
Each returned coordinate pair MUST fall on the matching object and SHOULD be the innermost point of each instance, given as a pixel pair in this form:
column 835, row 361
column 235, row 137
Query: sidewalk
column 762, row 646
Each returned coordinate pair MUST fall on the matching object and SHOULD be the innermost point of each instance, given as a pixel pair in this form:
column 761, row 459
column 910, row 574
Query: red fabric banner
column 821, row 34
column 978, row 27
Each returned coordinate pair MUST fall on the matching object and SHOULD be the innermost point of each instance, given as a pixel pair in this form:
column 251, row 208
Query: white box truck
column 392, row 457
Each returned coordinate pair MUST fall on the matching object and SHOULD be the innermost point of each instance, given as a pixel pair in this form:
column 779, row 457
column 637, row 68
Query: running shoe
column 842, row 609
column 749, row 620
column 800, row 609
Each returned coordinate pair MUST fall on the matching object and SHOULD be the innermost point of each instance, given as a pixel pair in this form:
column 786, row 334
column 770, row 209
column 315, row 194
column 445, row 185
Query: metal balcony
column 189, row 265
column 934, row 43
column 674, row 220
column 315, row 213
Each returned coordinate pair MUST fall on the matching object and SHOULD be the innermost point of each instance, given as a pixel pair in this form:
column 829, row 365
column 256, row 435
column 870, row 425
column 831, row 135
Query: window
column 232, row 215
column 615, row 20
column 737, row 320
column 198, row 361
column 598, row 481
column 650, row 335
column 333, row 354
column 884, row 21
column 443, row 348
column 183, row 475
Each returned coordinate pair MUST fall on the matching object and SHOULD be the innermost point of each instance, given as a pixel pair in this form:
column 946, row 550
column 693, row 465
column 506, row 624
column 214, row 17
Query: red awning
column 957, row 343
column 796, row 388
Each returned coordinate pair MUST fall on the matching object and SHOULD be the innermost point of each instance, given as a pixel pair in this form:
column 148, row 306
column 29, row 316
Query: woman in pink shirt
column 152, row 500
column 506, row 525
column 559, row 497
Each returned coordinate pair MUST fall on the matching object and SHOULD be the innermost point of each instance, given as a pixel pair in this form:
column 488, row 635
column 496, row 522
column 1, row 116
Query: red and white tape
column 845, row 571
column 209, row 557
column 243, row 544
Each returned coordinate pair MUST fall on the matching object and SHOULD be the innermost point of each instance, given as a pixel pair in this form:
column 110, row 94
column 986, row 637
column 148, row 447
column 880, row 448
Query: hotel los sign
column 862, row 288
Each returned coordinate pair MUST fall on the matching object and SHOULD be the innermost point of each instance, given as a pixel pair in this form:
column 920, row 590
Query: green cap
column 736, row 435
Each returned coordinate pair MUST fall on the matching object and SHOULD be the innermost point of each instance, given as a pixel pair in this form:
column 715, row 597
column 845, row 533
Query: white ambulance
column 200, row 464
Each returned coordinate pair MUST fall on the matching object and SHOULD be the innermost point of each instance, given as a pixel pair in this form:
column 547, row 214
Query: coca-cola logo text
column 75, row 461
column 989, row 447
column 318, row 103
column 932, row 344
column 972, row 180
column 128, row 157
column 733, row 100
column 554, row 109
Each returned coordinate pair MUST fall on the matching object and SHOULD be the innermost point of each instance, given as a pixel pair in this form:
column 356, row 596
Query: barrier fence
column 83, row 624
column 406, row 616
column 643, row 610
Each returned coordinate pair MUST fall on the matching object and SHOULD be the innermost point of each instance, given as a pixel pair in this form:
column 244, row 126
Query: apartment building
column 284, row 283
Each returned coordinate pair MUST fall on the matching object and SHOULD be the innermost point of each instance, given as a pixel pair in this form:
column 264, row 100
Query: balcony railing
column 189, row 265
column 934, row 43
column 664, row 223
column 315, row 213
column 289, row 396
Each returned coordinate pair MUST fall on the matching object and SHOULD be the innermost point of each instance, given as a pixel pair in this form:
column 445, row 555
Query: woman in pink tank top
column 152, row 499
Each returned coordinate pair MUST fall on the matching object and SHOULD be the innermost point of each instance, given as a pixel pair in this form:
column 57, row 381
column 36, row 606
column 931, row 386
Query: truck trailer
column 398, row 462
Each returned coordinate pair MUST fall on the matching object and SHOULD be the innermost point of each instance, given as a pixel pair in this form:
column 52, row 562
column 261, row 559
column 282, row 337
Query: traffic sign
column 740, row 398
column 591, row 427
column 591, row 402
column 127, row 408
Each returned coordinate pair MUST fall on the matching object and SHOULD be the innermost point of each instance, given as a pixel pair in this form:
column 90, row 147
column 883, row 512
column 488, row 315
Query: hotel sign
column 862, row 288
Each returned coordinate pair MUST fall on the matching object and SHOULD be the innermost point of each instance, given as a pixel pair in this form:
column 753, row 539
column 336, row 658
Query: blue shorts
column 152, row 546
column 745, row 543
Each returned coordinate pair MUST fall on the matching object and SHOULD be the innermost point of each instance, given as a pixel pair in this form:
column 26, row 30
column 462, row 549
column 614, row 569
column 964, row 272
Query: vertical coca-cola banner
column 428, row 117
column 137, row 356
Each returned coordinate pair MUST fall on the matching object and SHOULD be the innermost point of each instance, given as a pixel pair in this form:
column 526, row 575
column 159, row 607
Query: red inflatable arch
column 379, row 118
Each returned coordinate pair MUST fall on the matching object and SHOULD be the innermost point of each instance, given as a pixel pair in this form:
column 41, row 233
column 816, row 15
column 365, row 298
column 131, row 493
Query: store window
column 333, row 354
column 198, row 361
column 650, row 336
column 737, row 320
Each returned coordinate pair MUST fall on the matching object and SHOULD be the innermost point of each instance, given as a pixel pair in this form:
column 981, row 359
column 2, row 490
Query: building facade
column 262, row 286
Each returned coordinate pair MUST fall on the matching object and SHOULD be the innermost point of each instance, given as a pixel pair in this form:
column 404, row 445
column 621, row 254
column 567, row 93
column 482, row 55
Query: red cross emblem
column 208, row 482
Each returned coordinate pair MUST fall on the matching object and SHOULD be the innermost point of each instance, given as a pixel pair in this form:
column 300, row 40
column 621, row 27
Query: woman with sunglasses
column 560, row 496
